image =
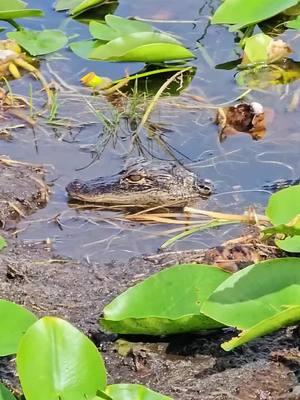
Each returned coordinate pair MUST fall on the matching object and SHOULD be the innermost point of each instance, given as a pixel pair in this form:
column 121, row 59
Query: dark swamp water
column 239, row 166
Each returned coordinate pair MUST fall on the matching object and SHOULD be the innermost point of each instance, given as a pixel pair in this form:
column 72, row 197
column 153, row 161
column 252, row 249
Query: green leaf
column 7, row 5
column 39, row 42
column 287, row 317
column 84, row 48
column 244, row 13
column 102, row 31
column 3, row 243
column 57, row 360
column 167, row 302
column 256, row 48
column 124, row 391
column 294, row 24
column 283, row 207
column 124, row 26
column 143, row 46
column 84, row 6
column 5, row 393
column 291, row 229
column 116, row 27
column 255, row 293
column 14, row 14
column 15, row 320
column 12, row 9
column 62, row 5
column 77, row 7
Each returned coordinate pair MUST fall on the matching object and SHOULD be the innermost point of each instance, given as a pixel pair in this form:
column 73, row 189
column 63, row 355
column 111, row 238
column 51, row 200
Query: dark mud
column 22, row 191
column 187, row 367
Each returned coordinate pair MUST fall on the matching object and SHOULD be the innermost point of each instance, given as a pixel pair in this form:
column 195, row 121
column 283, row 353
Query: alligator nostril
column 205, row 187
column 74, row 186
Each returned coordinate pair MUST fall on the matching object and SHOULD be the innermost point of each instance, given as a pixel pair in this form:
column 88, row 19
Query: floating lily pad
column 15, row 320
column 285, row 318
column 115, row 27
column 5, row 393
column 282, row 208
column 143, row 46
column 77, row 7
column 124, row 391
column 243, row 13
column 39, row 42
column 127, row 40
column 13, row 9
column 167, row 302
column 64, row 363
column 258, row 299
column 84, row 48
column 294, row 24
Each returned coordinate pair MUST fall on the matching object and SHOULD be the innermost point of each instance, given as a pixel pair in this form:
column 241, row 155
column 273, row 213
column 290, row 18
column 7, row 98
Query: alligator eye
column 134, row 178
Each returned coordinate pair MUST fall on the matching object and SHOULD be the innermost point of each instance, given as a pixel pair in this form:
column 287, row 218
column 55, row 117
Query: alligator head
column 144, row 184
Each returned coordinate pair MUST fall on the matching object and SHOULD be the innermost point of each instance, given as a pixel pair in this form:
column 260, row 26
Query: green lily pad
column 15, row 320
column 142, row 46
column 39, row 42
column 5, row 393
column 167, row 302
column 124, row 391
column 256, row 294
column 285, row 318
column 56, row 358
column 243, row 13
column 294, row 24
column 116, row 26
column 256, row 48
column 63, row 5
column 84, row 48
column 77, row 7
column 282, row 207
column 12, row 9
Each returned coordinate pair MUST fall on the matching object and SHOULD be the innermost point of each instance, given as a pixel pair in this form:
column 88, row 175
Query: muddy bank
column 22, row 191
column 187, row 367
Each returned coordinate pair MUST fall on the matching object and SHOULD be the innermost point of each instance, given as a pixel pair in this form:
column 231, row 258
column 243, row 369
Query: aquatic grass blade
column 166, row 302
column 123, row 391
column 284, row 318
column 15, row 320
column 57, row 360
column 255, row 293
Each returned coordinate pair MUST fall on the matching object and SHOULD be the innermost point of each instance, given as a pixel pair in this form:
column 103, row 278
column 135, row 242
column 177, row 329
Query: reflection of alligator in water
column 143, row 184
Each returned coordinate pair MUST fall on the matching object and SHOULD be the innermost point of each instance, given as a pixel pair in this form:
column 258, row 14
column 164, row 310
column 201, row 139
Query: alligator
column 150, row 184
column 143, row 184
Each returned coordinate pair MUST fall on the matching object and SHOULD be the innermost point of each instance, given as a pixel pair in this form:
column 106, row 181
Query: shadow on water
column 92, row 136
